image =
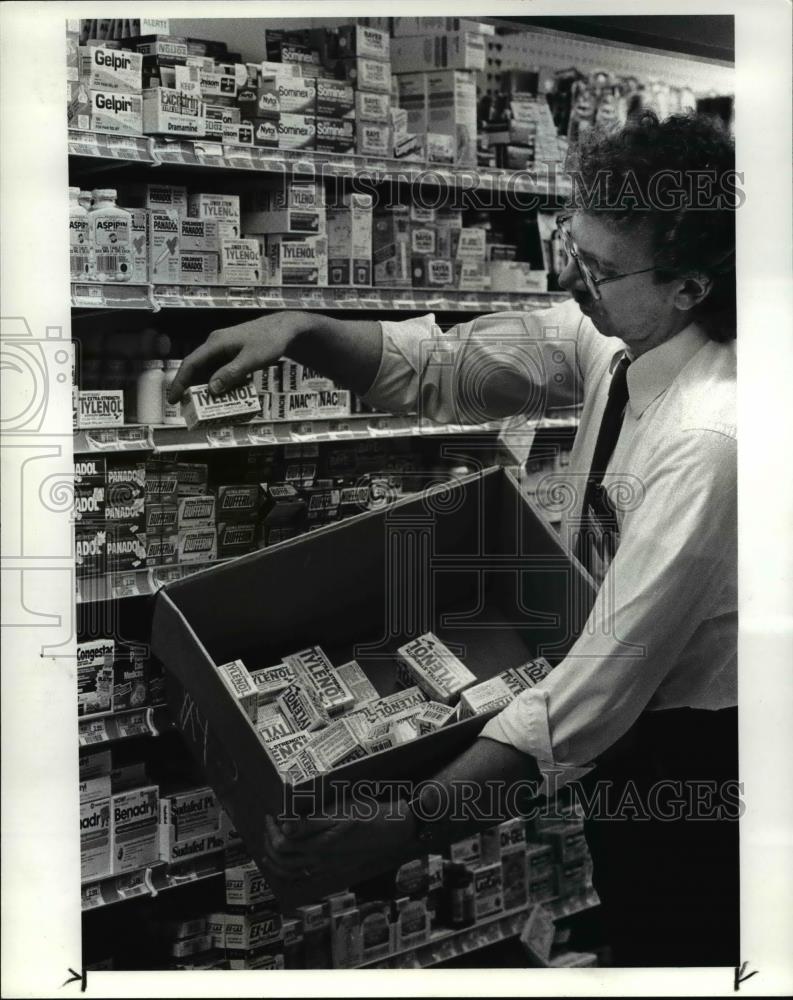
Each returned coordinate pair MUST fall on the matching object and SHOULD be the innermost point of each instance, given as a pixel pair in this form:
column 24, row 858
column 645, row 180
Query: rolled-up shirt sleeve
column 677, row 554
column 488, row 368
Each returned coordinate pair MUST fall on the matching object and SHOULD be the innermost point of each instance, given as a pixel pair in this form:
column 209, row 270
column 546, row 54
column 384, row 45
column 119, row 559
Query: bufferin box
column 480, row 521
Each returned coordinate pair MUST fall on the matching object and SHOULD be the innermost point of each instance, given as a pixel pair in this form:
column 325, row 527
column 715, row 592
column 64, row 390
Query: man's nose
column 571, row 277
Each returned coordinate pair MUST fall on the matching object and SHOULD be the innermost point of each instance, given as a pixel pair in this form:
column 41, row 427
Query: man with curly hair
column 641, row 714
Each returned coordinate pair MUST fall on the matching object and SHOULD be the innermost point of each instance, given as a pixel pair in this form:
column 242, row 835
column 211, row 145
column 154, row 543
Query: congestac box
column 190, row 635
column 135, row 828
column 296, row 260
column 349, row 229
column 426, row 662
column 95, row 676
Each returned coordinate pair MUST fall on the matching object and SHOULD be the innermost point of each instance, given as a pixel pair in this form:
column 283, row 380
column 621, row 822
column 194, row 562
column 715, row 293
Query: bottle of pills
column 149, row 393
column 79, row 242
column 171, row 412
column 110, row 229
column 85, row 198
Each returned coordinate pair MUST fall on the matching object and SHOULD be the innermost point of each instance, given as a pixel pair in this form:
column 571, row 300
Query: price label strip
column 87, row 295
column 91, row 897
column 221, row 437
column 93, row 731
column 159, row 576
column 129, row 585
column 261, row 434
column 132, row 724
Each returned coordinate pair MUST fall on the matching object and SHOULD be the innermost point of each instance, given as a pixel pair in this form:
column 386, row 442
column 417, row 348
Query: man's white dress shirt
column 662, row 632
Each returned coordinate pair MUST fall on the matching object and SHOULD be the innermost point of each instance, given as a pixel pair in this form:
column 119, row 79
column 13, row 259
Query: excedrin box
column 480, row 523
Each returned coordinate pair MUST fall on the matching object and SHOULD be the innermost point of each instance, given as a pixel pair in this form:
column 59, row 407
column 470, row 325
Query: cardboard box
column 391, row 247
column 297, row 260
column 359, row 40
column 298, row 209
column 296, row 131
column 100, row 408
column 105, row 111
column 135, row 828
column 488, row 890
column 199, row 236
column 457, row 50
column 222, row 208
column 371, row 107
column 241, row 262
column 373, row 139
column 164, row 246
column 202, row 409
column 95, row 676
column 159, row 197
column 246, row 888
column 139, row 234
column 125, row 545
column 199, row 268
column 335, row 135
column 271, row 723
column 367, row 74
column 349, row 229
column 335, row 99
column 432, row 272
column 167, row 111
column 95, row 856
column 192, row 615
column 401, row 26
column 110, row 69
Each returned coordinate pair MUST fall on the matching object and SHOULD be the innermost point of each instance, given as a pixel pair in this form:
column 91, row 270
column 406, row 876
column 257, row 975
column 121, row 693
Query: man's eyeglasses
column 587, row 277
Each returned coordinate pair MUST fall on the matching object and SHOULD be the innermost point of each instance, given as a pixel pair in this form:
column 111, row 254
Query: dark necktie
column 596, row 504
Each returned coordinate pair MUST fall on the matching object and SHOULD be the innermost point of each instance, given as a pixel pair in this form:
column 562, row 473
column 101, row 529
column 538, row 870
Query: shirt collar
column 653, row 372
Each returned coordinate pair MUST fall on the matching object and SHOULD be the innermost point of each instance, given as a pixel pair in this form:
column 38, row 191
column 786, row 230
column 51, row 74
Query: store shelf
column 134, row 583
column 149, row 881
column 444, row 945
column 116, row 726
column 98, row 145
column 96, row 295
column 355, row 427
column 113, row 295
column 541, row 181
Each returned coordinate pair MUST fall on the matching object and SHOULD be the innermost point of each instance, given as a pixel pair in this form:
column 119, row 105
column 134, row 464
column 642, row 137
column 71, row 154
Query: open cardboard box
column 471, row 560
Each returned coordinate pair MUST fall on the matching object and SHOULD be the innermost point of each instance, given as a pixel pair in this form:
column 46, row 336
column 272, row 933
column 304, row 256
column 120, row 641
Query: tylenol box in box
column 481, row 536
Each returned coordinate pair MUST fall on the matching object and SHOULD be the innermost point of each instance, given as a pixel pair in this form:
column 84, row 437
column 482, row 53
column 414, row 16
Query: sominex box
column 479, row 522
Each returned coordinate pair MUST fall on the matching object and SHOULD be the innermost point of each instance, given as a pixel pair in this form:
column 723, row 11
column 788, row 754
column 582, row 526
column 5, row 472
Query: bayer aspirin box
column 135, row 827
column 200, row 408
column 425, row 661
column 371, row 107
column 296, row 260
column 110, row 69
column 239, row 682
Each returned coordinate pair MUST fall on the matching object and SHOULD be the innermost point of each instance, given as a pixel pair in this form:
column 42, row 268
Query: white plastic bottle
column 79, row 241
column 171, row 412
column 111, row 236
column 85, row 198
column 148, row 394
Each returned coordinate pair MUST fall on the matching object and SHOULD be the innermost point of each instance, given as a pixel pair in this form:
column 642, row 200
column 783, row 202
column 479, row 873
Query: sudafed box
column 191, row 634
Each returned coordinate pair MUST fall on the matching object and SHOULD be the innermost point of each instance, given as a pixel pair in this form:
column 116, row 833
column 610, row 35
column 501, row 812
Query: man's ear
column 691, row 290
